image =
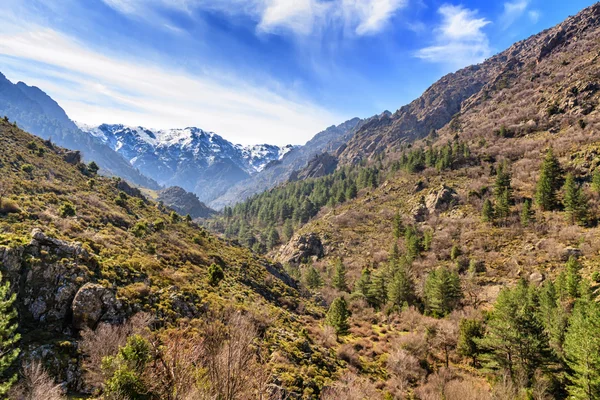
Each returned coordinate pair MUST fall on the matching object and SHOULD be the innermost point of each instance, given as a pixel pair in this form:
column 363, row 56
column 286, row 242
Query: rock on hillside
column 184, row 203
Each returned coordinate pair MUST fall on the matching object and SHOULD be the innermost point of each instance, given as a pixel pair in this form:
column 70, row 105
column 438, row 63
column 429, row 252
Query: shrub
column 93, row 167
column 215, row 274
column 27, row 168
column 67, row 210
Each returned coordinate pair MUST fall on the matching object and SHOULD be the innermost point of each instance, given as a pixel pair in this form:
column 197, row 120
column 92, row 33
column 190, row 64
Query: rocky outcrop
column 184, row 202
column 321, row 165
column 302, row 248
column 94, row 303
column 441, row 199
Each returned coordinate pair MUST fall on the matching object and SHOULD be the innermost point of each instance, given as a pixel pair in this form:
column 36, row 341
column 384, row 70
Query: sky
column 253, row 71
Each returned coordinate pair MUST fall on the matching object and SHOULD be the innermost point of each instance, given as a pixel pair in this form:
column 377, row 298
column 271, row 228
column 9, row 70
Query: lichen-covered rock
column 569, row 252
column 94, row 303
column 441, row 199
column 301, row 248
column 58, row 246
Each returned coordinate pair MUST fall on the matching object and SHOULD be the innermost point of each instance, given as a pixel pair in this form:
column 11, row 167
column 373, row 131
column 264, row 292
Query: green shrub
column 67, row 210
column 215, row 274
column 27, row 168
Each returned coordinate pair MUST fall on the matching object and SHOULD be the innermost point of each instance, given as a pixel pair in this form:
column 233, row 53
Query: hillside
column 81, row 250
column 461, row 230
column 39, row 114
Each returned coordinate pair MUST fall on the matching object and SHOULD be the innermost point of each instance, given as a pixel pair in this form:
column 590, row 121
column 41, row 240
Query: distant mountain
column 36, row 112
column 329, row 140
column 200, row 162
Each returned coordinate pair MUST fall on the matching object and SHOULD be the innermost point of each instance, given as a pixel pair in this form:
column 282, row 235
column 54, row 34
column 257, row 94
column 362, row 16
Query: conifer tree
column 487, row 212
column 442, row 291
column 8, row 337
column 377, row 290
column 575, row 202
column 470, row 331
column 549, row 182
column 515, row 337
column 582, row 350
column 526, row 213
column 339, row 276
column 313, row 278
column 573, row 277
column 401, row 289
column 398, row 228
column 362, row 284
column 337, row 316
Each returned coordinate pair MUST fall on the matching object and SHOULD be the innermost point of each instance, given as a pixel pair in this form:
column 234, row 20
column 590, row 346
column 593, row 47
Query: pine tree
column 288, row 229
column 313, row 278
column 549, row 182
column 413, row 243
column 471, row 330
column 401, row 289
column 398, row 228
column 337, row 316
column 503, row 207
column 377, row 289
column 362, row 284
column 487, row 212
column 442, row 291
column 515, row 337
column 339, row 276
column 8, row 337
column 582, row 350
column 575, row 202
column 573, row 277
column 526, row 213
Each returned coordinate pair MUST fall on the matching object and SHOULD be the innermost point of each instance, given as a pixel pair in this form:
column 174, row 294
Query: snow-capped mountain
column 199, row 161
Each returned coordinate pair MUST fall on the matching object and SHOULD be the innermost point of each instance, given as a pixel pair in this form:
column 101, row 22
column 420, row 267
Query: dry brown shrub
column 351, row 387
column 348, row 353
column 36, row 384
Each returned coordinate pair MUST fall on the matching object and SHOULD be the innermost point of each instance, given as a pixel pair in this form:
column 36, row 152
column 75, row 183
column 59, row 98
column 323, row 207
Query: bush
column 27, row 168
column 67, row 210
column 215, row 274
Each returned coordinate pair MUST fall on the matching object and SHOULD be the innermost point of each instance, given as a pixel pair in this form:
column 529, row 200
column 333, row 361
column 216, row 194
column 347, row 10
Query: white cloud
column 459, row 40
column 300, row 17
column 512, row 12
column 534, row 16
column 95, row 88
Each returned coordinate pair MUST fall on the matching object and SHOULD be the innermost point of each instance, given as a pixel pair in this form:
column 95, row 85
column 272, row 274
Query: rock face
column 301, row 248
column 441, row 199
column 321, row 165
column 184, row 202
column 93, row 303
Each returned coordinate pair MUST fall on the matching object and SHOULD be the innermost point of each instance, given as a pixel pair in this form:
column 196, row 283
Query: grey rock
column 94, row 303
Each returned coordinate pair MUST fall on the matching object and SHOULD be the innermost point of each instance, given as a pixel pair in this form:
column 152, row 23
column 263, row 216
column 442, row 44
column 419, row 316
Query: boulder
column 571, row 252
column 301, row 248
column 536, row 278
column 94, row 303
column 441, row 199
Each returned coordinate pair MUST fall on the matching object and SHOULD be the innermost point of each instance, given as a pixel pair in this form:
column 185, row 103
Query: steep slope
column 80, row 249
column 201, row 162
column 276, row 173
column 460, row 91
column 36, row 112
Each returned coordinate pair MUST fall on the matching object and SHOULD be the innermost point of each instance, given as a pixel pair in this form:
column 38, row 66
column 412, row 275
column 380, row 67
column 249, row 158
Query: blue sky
column 254, row 71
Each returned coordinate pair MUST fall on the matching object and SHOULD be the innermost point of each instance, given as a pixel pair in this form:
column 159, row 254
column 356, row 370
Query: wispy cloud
column 299, row 17
column 96, row 88
column 459, row 40
column 513, row 10
column 534, row 16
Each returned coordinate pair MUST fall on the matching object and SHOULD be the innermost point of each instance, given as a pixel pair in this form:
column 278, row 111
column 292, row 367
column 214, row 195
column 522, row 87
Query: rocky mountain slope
column 184, row 203
column 81, row 250
column 200, row 162
column 39, row 114
column 329, row 140
column 463, row 91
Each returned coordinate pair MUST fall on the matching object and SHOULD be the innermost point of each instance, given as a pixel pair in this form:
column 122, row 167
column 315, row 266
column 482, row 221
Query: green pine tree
column 361, row 286
column 526, row 213
column 442, row 291
column 573, row 277
column 338, row 315
column 8, row 337
column 339, row 276
column 596, row 181
column 487, row 212
column 575, row 202
column 549, row 182
column 377, row 289
column 313, row 278
column 515, row 339
column 398, row 228
column 470, row 331
column 401, row 289
column 582, row 351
